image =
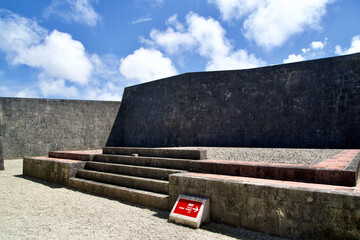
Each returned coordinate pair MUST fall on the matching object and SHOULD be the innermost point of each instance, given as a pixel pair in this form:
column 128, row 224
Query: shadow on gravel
column 160, row 214
column 237, row 233
column 48, row 184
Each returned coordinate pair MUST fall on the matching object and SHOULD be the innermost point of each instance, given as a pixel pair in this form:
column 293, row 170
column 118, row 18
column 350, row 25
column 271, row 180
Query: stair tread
column 160, row 195
column 125, row 176
column 158, row 152
column 150, row 157
column 158, row 162
column 137, row 166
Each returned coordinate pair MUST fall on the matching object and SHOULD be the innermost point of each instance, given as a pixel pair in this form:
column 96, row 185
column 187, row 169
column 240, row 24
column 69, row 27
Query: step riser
column 180, row 164
column 162, row 174
column 75, row 155
column 157, row 152
column 126, row 181
column 123, row 194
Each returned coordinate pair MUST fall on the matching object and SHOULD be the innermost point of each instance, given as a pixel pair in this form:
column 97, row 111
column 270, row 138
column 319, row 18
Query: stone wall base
column 286, row 209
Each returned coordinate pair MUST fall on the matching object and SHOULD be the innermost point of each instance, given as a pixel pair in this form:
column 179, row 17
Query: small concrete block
column 190, row 210
column 135, row 155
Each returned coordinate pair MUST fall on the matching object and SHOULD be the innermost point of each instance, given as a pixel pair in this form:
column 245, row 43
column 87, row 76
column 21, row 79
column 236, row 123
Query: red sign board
column 188, row 207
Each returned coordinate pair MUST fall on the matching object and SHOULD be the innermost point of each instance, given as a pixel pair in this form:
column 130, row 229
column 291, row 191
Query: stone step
column 147, row 184
column 182, row 164
column 87, row 155
column 157, row 152
column 139, row 171
column 141, row 197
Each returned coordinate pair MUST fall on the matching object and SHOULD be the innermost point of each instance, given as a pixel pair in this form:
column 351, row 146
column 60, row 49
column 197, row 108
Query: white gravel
column 272, row 155
column 34, row 209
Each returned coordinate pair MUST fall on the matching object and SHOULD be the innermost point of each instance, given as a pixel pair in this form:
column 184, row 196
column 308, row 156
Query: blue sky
column 93, row 49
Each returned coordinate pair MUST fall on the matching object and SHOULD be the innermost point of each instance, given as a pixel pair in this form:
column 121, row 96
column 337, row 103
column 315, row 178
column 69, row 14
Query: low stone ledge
column 286, row 209
column 158, row 152
column 354, row 164
column 75, row 155
column 52, row 169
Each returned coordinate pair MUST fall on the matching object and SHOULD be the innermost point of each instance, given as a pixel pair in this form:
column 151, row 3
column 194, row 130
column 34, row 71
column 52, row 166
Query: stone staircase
column 136, row 175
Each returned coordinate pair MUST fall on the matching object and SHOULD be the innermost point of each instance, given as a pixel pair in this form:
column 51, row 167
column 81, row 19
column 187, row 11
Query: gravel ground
column 273, row 155
column 34, row 209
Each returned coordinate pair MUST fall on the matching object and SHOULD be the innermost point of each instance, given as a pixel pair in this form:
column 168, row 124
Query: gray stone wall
column 32, row 127
column 312, row 104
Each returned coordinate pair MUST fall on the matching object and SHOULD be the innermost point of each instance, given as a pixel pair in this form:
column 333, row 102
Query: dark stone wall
column 312, row 104
column 32, row 127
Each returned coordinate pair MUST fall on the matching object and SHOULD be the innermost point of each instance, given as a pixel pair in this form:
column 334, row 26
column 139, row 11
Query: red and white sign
column 190, row 210
column 188, row 207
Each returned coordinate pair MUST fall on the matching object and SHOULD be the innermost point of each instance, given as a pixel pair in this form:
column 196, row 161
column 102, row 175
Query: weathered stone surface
column 2, row 167
column 290, row 212
column 145, row 198
column 290, row 172
column 158, row 152
column 51, row 170
column 1, row 139
column 33, row 127
column 313, row 104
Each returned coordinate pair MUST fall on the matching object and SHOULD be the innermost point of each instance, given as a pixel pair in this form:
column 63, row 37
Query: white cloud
column 65, row 69
column 206, row 37
column 305, row 50
column 174, row 22
column 107, row 82
column 18, row 34
column 56, row 87
column 270, row 23
column 172, row 41
column 27, row 93
column 146, row 65
column 58, row 56
column 107, row 91
column 354, row 47
column 314, row 51
column 235, row 9
column 236, row 60
column 317, row 45
column 294, row 58
column 209, row 35
column 205, row 34
column 141, row 20
column 80, row 11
